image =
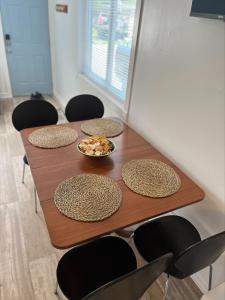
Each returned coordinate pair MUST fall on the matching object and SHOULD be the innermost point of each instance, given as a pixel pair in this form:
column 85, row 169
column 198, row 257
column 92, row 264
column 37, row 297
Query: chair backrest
column 89, row 266
column 200, row 255
column 34, row 113
column 134, row 284
column 84, row 107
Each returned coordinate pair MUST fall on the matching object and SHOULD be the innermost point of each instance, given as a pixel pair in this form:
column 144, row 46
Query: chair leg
column 166, row 287
column 210, row 277
column 130, row 238
column 35, row 200
column 24, row 166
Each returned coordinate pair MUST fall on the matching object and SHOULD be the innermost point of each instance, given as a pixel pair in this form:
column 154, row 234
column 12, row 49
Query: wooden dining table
column 49, row 167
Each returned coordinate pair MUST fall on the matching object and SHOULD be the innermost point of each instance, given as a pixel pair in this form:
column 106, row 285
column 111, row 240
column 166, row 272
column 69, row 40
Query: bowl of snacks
column 96, row 146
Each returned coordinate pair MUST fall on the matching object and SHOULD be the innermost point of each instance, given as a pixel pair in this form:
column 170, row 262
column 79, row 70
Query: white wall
column 64, row 42
column 177, row 101
column 5, row 89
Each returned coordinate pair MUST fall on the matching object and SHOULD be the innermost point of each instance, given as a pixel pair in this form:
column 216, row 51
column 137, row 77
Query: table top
column 49, row 167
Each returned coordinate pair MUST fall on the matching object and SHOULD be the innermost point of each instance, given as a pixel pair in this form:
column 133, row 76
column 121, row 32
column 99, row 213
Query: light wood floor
column 27, row 258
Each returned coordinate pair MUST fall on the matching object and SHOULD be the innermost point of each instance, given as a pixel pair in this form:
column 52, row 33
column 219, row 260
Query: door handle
column 8, row 43
column 7, row 37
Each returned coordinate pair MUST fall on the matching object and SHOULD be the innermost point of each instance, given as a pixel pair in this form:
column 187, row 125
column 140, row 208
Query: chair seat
column 177, row 235
column 87, row 267
column 25, row 160
column 166, row 234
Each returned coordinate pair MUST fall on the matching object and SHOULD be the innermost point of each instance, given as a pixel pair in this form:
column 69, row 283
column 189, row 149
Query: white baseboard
column 58, row 98
column 5, row 95
column 200, row 282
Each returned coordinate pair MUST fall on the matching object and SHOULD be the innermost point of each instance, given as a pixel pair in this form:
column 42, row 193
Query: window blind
column 109, row 35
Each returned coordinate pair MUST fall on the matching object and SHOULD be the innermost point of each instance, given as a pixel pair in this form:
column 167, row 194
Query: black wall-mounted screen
column 214, row 9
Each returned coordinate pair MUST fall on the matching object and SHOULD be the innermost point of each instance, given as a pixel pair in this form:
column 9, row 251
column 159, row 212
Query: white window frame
column 124, row 104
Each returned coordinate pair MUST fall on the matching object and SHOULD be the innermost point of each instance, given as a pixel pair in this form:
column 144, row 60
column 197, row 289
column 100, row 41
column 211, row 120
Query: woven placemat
column 53, row 137
column 151, row 178
column 88, row 197
column 102, row 127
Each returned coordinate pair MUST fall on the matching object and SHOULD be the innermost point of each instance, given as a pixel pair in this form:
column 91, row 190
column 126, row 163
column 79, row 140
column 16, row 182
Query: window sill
column 113, row 101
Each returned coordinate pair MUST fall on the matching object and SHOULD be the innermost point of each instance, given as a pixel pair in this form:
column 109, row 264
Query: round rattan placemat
column 102, row 127
column 53, row 137
column 151, row 178
column 88, row 197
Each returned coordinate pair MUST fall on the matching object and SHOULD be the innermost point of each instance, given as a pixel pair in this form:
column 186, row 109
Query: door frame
column 5, row 80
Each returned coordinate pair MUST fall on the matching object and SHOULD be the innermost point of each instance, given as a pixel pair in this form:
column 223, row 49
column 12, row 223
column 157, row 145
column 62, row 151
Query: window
column 110, row 26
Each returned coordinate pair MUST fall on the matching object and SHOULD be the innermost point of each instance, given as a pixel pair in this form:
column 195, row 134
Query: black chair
column 84, row 107
column 106, row 268
column 32, row 114
column 177, row 235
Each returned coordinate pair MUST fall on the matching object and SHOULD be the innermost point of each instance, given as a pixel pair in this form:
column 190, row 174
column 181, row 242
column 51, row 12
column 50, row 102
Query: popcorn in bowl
column 96, row 146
